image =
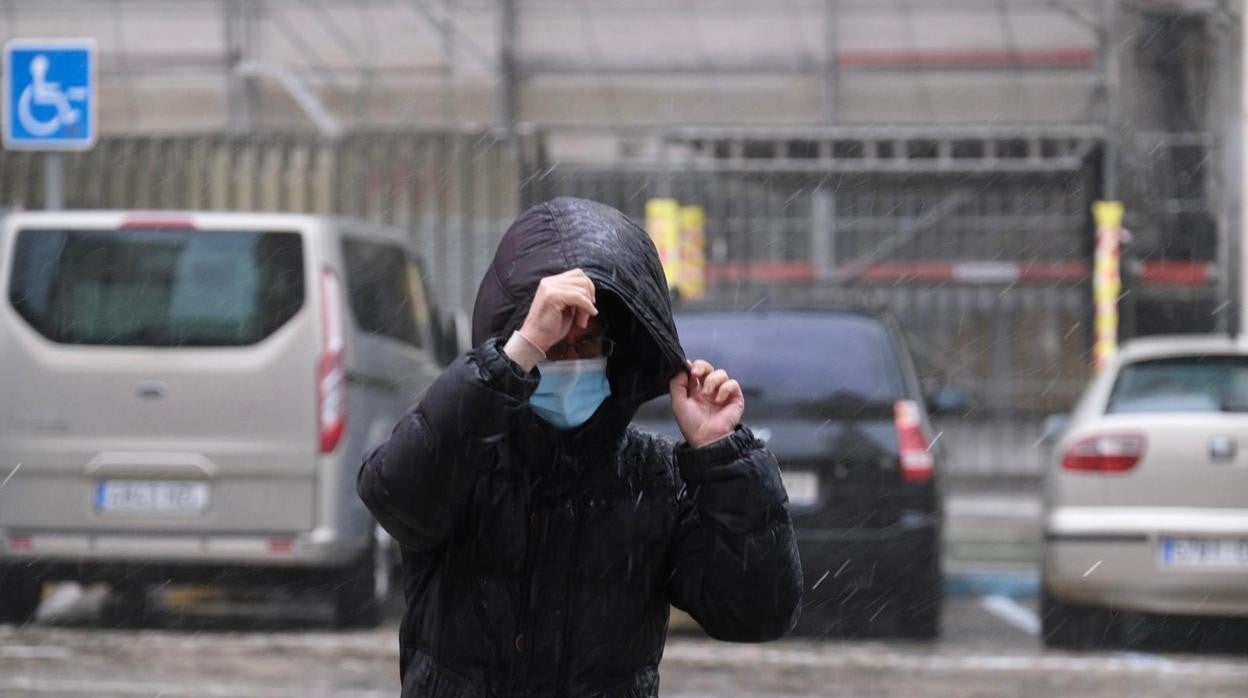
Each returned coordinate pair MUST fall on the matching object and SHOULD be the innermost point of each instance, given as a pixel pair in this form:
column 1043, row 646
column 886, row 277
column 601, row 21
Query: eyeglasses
column 586, row 348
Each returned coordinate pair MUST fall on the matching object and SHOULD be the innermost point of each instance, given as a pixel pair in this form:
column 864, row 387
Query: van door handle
column 151, row 464
column 369, row 380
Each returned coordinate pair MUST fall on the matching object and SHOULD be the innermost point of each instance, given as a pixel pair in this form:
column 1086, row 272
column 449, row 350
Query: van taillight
column 1105, row 453
column 917, row 462
column 157, row 223
column 331, row 373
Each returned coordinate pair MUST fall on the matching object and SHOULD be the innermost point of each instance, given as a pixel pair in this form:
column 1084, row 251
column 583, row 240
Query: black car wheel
column 20, row 595
column 919, row 609
column 821, row 618
column 919, row 618
column 361, row 589
column 127, row 606
column 1069, row 626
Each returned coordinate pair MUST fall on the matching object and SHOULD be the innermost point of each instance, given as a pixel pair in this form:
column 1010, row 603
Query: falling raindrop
column 11, row 474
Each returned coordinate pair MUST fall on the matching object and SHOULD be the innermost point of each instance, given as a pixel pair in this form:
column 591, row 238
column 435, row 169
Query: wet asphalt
column 277, row 648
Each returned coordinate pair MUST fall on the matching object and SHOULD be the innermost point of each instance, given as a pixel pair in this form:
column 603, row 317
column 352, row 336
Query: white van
column 187, row 397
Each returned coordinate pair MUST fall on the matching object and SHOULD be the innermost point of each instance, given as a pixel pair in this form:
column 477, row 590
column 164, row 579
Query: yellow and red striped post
column 692, row 252
column 1106, row 279
column 663, row 224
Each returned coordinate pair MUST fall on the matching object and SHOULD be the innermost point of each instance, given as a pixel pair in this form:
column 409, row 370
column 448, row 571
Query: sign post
column 692, row 253
column 50, row 103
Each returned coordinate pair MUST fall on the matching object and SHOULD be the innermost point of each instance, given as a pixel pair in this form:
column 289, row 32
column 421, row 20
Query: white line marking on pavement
column 380, row 644
column 1012, row 612
column 1140, row 658
column 875, row 657
column 96, row 687
column 34, row 652
column 60, row 601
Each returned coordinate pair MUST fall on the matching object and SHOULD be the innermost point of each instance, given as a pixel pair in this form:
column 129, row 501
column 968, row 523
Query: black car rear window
column 833, row 359
column 156, row 288
column 1181, row 384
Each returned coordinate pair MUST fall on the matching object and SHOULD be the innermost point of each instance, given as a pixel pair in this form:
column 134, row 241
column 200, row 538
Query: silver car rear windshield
column 1182, row 384
column 156, row 288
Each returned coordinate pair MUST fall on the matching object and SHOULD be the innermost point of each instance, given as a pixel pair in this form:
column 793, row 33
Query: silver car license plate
column 802, row 486
column 151, row 497
column 1204, row 552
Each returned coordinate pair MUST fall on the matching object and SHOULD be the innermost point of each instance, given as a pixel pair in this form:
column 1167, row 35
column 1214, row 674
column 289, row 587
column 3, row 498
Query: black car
column 835, row 395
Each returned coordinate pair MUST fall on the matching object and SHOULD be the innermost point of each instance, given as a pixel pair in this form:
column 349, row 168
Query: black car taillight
column 917, row 463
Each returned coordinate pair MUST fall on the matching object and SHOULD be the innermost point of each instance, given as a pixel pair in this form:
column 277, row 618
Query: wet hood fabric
column 618, row 255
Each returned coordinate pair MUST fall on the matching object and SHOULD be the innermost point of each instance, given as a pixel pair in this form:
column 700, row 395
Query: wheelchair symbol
column 42, row 93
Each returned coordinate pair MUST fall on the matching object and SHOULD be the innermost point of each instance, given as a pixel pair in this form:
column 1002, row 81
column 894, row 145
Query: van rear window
column 158, row 288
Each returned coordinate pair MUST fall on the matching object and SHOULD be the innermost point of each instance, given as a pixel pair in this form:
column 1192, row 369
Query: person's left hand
column 707, row 404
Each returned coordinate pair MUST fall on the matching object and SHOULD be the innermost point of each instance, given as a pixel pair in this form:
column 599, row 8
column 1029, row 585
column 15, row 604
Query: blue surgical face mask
column 569, row 392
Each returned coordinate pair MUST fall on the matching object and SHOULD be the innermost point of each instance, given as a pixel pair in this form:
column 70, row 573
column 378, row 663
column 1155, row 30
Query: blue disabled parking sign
column 49, row 94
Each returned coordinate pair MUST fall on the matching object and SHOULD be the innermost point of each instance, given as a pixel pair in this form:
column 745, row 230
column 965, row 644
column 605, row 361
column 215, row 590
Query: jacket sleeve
column 417, row 484
column 734, row 564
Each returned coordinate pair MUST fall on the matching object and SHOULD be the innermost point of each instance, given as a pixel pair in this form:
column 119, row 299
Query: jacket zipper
column 535, row 541
column 569, row 606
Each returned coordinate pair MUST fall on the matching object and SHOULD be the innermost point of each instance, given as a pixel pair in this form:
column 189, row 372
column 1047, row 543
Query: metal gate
column 455, row 192
column 977, row 240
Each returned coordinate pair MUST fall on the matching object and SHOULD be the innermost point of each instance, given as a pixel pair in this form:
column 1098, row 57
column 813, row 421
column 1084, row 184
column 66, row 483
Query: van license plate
column 803, row 487
column 151, row 497
column 1204, row 552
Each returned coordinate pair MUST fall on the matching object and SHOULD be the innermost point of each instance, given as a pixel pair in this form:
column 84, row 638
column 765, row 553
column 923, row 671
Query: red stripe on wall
column 767, row 272
column 1153, row 273
column 1166, row 273
column 1074, row 57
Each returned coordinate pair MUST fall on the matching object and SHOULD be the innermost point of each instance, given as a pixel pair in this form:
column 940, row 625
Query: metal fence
column 973, row 239
column 978, row 241
column 455, row 192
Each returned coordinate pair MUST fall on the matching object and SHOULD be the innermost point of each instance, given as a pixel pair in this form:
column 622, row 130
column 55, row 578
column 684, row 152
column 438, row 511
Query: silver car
column 187, row 396
column 1146, row 504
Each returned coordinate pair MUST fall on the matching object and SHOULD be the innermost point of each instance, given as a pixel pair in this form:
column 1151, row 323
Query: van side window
column 379, row 292
column 420, row 294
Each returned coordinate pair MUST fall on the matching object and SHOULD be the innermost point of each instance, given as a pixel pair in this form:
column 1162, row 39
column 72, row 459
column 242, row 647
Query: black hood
column 567, row 233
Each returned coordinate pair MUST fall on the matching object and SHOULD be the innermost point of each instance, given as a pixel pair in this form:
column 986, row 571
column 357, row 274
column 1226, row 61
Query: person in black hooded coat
column 542, row 560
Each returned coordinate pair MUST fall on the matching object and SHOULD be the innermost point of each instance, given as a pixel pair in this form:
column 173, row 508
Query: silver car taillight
column 1105, row 453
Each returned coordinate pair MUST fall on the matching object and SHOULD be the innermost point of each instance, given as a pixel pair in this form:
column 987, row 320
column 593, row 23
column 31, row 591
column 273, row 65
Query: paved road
column 249, row 650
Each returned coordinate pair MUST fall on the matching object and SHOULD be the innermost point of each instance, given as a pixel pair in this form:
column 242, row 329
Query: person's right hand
column 561, row 300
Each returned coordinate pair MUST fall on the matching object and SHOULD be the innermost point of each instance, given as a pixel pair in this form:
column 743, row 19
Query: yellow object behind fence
column 692, row 279
column 663, row 224
column 1106, row 279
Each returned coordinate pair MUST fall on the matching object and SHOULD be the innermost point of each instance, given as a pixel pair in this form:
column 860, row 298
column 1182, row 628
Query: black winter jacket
column 541, row 562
